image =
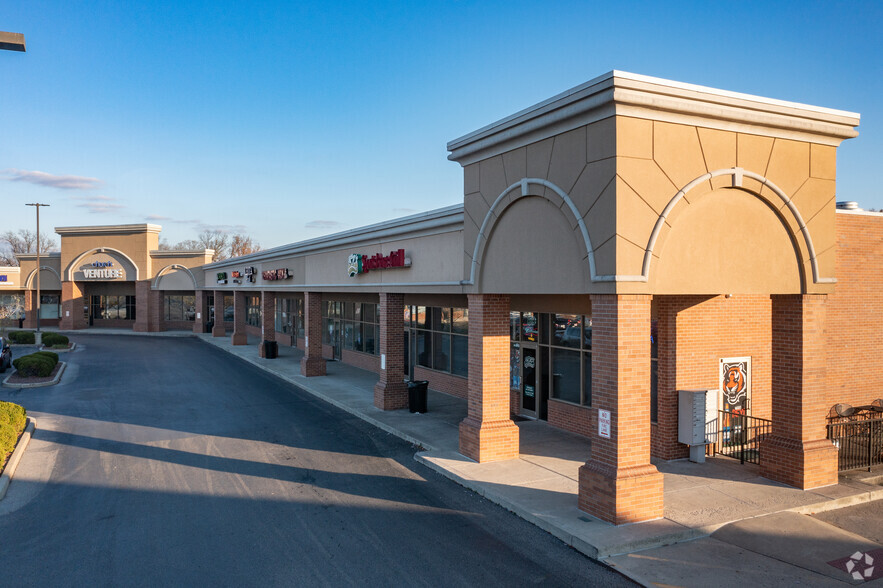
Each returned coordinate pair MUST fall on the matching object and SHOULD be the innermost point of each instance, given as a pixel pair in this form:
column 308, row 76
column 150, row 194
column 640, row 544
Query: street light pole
column 38, row 205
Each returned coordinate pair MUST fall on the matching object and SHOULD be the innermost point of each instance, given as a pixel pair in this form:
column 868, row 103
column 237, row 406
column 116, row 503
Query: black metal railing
column 738, row 435
column 859, row 442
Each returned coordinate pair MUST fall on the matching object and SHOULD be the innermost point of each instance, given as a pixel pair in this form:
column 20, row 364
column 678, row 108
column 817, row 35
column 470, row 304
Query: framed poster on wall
column 735, row 384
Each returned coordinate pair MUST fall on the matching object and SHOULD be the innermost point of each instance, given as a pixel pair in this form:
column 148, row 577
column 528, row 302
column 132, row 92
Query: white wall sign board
column 604, row 423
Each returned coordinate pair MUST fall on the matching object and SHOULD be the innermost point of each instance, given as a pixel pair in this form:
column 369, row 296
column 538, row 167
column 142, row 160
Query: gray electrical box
column 695, row 409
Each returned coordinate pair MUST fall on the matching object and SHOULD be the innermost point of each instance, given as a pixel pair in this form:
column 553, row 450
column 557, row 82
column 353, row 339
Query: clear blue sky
column 290, row 120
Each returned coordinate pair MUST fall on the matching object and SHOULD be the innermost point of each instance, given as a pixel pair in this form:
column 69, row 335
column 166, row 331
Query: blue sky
column 291, row 120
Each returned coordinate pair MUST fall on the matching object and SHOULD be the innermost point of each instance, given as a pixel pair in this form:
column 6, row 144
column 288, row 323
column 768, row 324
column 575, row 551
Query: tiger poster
column 735, row 384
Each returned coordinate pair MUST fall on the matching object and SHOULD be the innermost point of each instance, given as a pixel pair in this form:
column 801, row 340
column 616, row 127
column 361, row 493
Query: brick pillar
column 798, row 453
column 219, row 330
column 312, row 364
column 72, row 302
column 268, row 319
column 145, row 320
column 487, row 433
column 391, row 392
column 239, row 335
column 618, row 484
column 30, row 309
column 201, row 311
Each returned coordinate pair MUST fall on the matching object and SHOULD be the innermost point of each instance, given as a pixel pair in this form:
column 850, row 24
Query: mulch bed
column 17, row 379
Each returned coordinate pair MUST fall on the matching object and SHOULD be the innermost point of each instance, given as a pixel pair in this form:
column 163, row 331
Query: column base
column 219, row 331
column 489, row 440
column 390, row 395
column 239, row 338
column 312, row 366
column 623, row 495
column 802, row 464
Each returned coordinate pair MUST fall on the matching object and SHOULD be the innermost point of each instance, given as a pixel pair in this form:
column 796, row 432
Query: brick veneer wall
column 176, row 325
column 694, row 333
column 571, row 417
column 855, row 311
column 363, row 361
column 443, row 382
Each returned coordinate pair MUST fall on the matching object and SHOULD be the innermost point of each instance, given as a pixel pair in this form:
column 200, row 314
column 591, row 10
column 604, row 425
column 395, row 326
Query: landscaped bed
column 12, row 424
column 36, row 368
column 56, row 342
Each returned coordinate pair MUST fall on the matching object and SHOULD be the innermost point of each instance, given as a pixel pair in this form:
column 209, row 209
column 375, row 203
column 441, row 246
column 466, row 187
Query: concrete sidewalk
column 541, row 486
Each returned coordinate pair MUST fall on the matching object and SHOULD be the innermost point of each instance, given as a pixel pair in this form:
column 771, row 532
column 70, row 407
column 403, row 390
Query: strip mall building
column 619, row 242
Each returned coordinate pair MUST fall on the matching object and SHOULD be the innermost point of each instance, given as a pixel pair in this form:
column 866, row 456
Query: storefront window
column 253, row 311
column 49, row 306
column 113, row 307
column 654, row 368
column 12, row 306
column 359, row 325
column 178, row 307
column 440, row 337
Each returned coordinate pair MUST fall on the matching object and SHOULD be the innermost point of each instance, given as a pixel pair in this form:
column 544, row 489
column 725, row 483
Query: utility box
column 695, row 409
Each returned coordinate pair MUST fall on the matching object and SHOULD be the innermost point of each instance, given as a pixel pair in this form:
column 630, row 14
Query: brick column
column 618, row 484
column 312, row 364
column 239, row 335
column 157, row 309
column 145, row 320
column 798, row 453
column 219, row 330
column 391, row 392
column 72, row 307
column 30, row 309
column 201, row 311
column 268, row 319
column 487, row 433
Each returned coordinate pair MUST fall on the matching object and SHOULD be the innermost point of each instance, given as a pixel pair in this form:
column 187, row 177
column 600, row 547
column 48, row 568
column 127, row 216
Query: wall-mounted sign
column 362, row 264
column 3, row 278
column 249, row 273
column 276, row 274
column 222, row 277
column 735, row 380
column 104, row 273
column 604, row 423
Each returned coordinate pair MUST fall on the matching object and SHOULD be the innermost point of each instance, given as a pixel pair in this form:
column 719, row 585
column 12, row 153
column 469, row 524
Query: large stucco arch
column 30, row 279
column 68, row 272
column 169, row 268
column 555, row 195
column 738, row 174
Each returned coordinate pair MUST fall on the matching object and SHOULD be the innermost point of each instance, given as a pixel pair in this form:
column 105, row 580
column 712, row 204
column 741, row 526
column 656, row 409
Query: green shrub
column 22, row 337
column 49, row 355
column 59, row 347
column 53, row 339
column 12, row 423
column 34, row 365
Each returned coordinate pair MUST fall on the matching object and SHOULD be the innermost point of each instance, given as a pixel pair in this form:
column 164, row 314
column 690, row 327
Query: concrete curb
column 68, row 350
column 15, row 458
column 315, row 393
column 52, row 382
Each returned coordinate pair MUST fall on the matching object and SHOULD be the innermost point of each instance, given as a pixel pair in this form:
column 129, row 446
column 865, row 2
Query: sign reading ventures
column 103, row 270
column 362, row 264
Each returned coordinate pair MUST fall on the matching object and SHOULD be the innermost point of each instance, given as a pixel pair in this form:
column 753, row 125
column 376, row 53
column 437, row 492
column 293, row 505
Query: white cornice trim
column 109, row 229
column 170, row 253
column 622, row 93
column 860, row 212
column 33, row 256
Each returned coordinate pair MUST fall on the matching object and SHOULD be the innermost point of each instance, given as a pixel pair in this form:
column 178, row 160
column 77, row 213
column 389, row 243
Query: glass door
column 529, row 380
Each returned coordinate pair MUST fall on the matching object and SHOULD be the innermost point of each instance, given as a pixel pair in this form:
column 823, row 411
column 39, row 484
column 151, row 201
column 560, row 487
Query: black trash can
column 417, row 395
column 209, row 326
column 271, row 350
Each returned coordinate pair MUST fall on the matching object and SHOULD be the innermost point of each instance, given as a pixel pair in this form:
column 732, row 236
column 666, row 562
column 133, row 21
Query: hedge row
column 23, row 337
column 36, row 365
column 52, row 339
column 12, row 423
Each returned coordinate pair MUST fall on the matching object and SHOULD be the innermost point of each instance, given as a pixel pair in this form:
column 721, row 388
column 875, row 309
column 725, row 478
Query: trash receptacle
column 271, row 350
column 417, row 394
column 209, row 326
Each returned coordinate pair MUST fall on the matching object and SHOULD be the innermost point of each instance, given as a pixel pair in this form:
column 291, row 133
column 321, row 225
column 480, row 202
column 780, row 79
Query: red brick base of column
column 390, row 395
column 489, row 440
column 619, row 496
column 239, row 338
column 218, row 330
column 311, row 366
column 802, row 464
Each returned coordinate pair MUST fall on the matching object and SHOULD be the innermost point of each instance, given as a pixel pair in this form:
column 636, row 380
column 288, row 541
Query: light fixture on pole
column 38, row 205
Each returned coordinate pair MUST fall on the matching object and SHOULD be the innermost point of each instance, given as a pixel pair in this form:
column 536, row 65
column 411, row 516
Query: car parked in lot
column 5, row 355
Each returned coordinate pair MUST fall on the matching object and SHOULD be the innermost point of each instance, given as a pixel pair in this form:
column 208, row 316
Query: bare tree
column 23, row 241
column 214, row 239
column 243, row 245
